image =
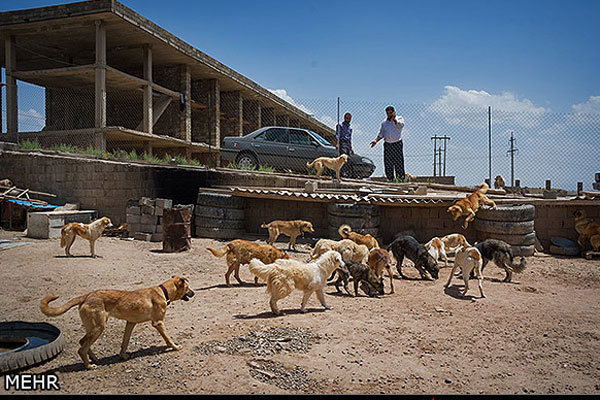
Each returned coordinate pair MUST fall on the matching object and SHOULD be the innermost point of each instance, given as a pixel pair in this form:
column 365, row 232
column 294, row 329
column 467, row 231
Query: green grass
column 266, row 168
column 66, row 148
column 30, row 145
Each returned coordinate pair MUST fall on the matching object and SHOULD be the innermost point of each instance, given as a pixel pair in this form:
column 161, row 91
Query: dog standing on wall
column 499, row 182
column 90, row 232
column 469, row 205
column 335, row 164
column 468, row 259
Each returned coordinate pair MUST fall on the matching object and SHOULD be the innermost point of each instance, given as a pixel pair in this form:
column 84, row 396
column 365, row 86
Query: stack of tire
column 362, row 218
column 219, row 216
column 513, row 224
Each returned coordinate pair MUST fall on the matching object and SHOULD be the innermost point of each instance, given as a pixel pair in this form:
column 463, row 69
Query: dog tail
column 220, row 253
column 260, row 269
column 344, row 230
column 310, row 164
column 520, row 267
column 56, row 311
column 484, row 187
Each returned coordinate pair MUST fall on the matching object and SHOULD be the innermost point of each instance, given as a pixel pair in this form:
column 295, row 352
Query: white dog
column 90, row 232
column 283, row 276
column 468, row 259
column 437, row 249
column 454, row 241
column 349, row 250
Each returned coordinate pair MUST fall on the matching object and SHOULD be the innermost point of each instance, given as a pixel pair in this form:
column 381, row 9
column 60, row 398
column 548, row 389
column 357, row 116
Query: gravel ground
column 539, row 334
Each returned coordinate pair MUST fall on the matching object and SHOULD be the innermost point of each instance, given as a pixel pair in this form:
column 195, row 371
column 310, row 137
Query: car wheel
column 247, row 160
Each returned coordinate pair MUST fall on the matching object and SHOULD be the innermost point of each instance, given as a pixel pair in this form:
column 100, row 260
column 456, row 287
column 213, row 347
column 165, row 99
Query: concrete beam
column 231, row 114
column 100, row 87
column 185, row 114
column 251, row 115
column 294, row 123
column 148, row 120
column 12, row 110
column 282, row 120
column 267, row 116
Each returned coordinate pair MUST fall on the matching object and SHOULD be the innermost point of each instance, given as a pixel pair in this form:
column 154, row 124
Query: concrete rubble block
column 133, row 219
column 145, row 201
column 133, row 210
column 44, row 225
column 147, row 210
column 148, row 219
column 142, row 236
column 163, row 203
column 132, row 229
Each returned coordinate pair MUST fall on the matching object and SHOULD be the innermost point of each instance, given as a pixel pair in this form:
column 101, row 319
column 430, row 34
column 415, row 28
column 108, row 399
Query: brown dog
column 335, row 164
column 90, row 232
column 587, row 229
column 135, row 306
column 470, row 204
column 293, row 229
column 242, row 251
column 499, row 182
column 345, row 232
column 379, row 260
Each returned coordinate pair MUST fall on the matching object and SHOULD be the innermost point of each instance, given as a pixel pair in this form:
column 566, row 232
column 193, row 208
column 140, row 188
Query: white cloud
column 592, row 106
column 31, row 120
column 282, row 93
column 586, row 116
column 466, row 107
column 327, row 120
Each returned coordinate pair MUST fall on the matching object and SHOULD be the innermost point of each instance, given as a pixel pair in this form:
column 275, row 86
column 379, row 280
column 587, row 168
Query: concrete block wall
column 558, row 220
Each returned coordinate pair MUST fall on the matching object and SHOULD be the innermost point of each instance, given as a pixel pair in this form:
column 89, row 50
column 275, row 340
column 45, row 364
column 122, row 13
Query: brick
column 133, row 210
column 142, row 236
column 133, row 219
column 148, row 219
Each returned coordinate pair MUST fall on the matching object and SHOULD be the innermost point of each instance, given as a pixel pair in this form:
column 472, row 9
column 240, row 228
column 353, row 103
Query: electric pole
column 512, row 152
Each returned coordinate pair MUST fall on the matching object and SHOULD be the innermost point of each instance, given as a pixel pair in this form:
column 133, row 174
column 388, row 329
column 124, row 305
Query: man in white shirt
column 391, row 133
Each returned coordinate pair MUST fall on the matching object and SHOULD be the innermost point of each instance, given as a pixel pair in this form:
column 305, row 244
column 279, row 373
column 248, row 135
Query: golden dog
column 470, row 204
column 90, row 232
column 135, row 307
column 335, row 164
column 368, row 240
column 499, row 182
column 380, row 260
column 283, row 276
column 242, row 251
column 587, row 229
column 349, row 250
column 293, row 229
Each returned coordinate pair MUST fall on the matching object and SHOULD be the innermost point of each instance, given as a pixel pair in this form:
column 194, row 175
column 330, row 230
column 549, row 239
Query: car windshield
column 320, row 139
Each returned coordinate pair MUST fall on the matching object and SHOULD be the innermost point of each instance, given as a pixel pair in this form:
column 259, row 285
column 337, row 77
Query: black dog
column 416, row 252
column 371, row 284
column 501, row 253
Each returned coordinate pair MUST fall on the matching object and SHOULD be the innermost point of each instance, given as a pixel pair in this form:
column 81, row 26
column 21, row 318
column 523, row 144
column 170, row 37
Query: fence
column 561, row 147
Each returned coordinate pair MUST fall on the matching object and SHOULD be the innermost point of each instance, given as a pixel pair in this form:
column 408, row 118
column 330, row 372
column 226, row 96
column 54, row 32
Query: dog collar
column 282, row 254
column 165, row 293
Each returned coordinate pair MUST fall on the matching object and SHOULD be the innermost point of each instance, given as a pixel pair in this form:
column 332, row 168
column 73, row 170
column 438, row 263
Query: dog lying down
column 361, row 274
column 283, row 276
column 135, row 307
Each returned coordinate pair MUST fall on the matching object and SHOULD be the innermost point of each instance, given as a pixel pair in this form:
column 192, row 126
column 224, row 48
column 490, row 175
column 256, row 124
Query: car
column 288, row 149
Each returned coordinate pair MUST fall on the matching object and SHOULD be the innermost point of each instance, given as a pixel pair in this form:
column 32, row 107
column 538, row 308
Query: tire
column 355, row 223
column 523, row 251
column 527, row 239
column 508, row 213
column 10, row 361
column 215, row 233
column 247, row 160
column 220, row 200
column 335, row 235
column 219, row 213
column 352, row 210
column 505, row 228
column 564, row 251
column 209, row 223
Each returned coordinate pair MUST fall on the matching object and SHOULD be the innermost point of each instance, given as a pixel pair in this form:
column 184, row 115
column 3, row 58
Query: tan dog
column 293, row 229
column 409, row 177
column 587, row 229
column 349, row 250
column 90, row 232
column 380, row 260
column 283, row 276
column 135, row 307
column 242, row 251
column 437, row 249
column 6, row 183
column 499, row 182
column 454, row 241
column 335, row 164
column 468, row 259
column 470, row 204
column 345, row 232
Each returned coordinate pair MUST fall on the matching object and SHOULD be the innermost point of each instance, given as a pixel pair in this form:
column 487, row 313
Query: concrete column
column 282, row 120
column 206, row 123
column 148, row 120
column 251, row 115
column 232, row 123
column 294, row 123
column 12, row 110
column 267, row 116
column 100, row 91
column 185, row 115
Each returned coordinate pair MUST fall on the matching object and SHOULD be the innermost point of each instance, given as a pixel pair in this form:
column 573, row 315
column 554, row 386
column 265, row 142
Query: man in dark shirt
column 343, row 135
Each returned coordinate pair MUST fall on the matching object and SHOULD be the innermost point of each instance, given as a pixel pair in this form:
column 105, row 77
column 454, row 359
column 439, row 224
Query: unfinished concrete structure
column 114, row 79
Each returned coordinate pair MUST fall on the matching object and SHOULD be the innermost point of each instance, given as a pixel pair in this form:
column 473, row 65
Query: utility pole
column 512, row 152
column 435, row 138
column 440, row 160
column 490, row 144
column 444, row 139
column 338, row 110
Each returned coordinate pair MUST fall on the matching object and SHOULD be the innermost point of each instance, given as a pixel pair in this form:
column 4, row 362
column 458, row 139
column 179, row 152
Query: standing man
column 343, row 136
column 391, row 133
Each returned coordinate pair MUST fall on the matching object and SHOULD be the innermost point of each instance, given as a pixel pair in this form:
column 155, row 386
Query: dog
column 499, row 182
column 361, row 273
column 587, row 230
column 283, row 276
column 470, row 204
column 134, row 306
column 501, row 253
column 6, row 183
column 468, row 259
column 241, row 252
column 437, row 248
column 416, row 252
column 293, row 229
column 349, row 250
column 409, row 177
column 380, row 260
column 335, row 164
column 90, row 232
column 368, row 240
column 454, row 241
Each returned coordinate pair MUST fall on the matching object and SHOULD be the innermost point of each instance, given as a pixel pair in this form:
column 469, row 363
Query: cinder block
column 148, row 228
column 158, row 228
column 156, row 237
column 158, row 211
column 132, row 229
column 145, row 201
column 148, row 219
column 147, row 210
column 163, row 203
column 134, row 210
column 133, row 219
column 142, row 236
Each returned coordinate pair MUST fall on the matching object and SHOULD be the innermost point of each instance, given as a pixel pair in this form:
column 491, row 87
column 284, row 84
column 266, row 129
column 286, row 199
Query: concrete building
column 113, row 79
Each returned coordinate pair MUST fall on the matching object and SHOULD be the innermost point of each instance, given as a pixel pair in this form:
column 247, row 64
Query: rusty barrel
column 177, row 234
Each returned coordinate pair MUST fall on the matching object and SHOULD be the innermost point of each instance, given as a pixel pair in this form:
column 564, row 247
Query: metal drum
column 177, row 234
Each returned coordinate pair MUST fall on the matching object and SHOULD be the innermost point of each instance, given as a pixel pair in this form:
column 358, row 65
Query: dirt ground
column 539, row 334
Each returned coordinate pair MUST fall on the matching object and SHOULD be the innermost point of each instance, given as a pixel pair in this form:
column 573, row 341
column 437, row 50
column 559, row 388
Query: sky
column 537, row 58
